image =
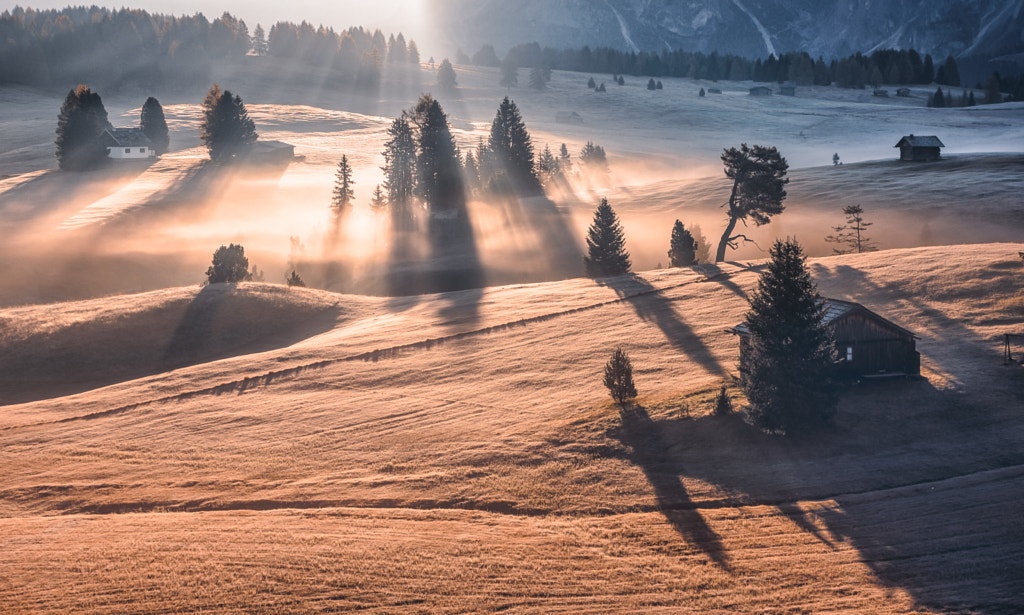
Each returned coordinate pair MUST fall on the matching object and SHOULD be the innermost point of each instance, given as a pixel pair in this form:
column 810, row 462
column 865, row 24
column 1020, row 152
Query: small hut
column 881, row 93
column 264, row 152
column 919, row 149
column 568, row 117
column 787, row 89
column 868, row 345
column 903, row 92
column 761, row 90
column 714, row 91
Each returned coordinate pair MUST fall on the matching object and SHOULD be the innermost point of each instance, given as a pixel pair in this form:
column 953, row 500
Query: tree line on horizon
column 130, row 47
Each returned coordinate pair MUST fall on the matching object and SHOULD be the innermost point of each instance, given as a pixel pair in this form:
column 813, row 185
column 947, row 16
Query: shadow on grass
column 924, row 484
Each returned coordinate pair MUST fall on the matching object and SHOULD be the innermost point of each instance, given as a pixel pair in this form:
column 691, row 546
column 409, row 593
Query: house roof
column 267, row 146
column 913, row 141
column 836, row 309
column 125, row 137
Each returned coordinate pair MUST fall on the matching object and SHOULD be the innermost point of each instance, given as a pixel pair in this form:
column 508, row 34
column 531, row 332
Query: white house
column 127, row 143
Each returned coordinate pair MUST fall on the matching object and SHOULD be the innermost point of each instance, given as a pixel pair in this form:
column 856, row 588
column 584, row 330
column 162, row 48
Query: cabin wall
column 876, row 347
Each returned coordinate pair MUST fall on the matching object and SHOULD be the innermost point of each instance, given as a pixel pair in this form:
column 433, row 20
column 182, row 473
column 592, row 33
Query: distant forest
column 113, row 49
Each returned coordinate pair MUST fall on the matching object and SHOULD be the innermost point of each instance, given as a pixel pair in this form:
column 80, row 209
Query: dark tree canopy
column 792, row 351
column 80, row 127
column 229, row 266
column 154, row 125
column 606, row 244
column 343, row 195
column 758, row 189
column 618, row 377
column 438, row 169
column 225, row 128
column 446, row 76
column 400, row 171
column 682, row 247
column 511, row 149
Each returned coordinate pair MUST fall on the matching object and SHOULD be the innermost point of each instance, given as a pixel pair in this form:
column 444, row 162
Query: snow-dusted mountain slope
column 747, row 27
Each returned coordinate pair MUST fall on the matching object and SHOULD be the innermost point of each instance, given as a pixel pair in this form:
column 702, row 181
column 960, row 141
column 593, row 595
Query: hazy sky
column 408, row 16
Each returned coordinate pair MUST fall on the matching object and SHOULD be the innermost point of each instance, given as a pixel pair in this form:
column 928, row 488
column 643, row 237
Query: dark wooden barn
column 919, row 149
column 760, row 90
column 867, row 344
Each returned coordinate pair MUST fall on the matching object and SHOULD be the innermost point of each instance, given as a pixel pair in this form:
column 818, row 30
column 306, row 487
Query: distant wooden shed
column 903, row 92
column 714, row 90
column 787, row 89
column 868, row 345
column 568, row 117
column 271, row 151
column 760, row 90
column 920, row 149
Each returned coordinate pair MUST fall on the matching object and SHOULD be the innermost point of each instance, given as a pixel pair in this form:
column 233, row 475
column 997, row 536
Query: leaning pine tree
column 606, row 244
column 792, row 352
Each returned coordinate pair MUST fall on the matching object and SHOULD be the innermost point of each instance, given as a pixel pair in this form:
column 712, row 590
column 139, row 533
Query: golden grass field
column 457, row 453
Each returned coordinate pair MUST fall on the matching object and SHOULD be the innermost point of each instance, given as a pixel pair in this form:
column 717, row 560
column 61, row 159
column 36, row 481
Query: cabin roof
column 125, row 137
column 272, row 145
column 912, row 141
column 835, row 310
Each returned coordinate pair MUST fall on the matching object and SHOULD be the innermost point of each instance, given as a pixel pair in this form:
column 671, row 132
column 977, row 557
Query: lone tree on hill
column 446, row 76
column 682, row 247
column 154, row 125
column 229, row 266
column 618, row 377
column 758, row 189
column 851, row 234
column 341, row 199
column 511, row 149
column 509, row 73
column 606, row 244
column 792, row 352
column 400, row 171
column 225, row 128
column 80, row 127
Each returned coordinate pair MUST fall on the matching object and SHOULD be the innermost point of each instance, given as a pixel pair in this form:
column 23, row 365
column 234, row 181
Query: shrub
column 722, row 403
column 229, row 266
column 618, row 377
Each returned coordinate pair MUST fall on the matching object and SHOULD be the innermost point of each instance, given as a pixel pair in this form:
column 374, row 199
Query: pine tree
column 592, row 84
column 606, row 244
column 154, row 125
column 702, row 93
column 295, row 280
column 682, row 247
column 398, row 51
column 229, row 266
column 594, row 159
column 758, row 189
column 413, row 53
column 952, row 71
column 80, row 127
column 446, row 79
column 548, row 168
column 511, row 148
column 993, row 90
column 471, row 171
column 618, row 377
column 341, row 198
column 651, row 85
column 400, row 171
column 509, row 73
column 259, row 41
column 378, row 202
column 439, row 170
column 538, row 81
column 564, row 161
column 851, row 234
column 225, row 128
column 938, row 99
column 792, row 351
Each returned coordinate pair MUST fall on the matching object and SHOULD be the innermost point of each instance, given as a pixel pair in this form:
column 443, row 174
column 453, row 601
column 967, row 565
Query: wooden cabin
column 568, row 117
column 760, row 90
column 127, row 144
column 788, row 89
column 903, row 92
column 266, row 152
column 867, row 345
column 919, row 149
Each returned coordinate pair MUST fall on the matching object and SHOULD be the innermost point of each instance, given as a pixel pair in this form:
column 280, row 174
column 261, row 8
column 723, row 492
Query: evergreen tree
column 225, row 128
column 928, row 71
column 618, row 377
column 446, row 76
column 564, row 161
column 537, row 79
column 259, row 41
column 439, row 170
column 606, row 244
column 758, row 189
column 651, row 85
column 702, row 93
column 851, row 234
column 511, row 148
column 792, row 352
column 229, row 266
column 154, row 125
column 509, row 73
column 378, row 202
column 400, row 171
column 594, row 159
column 398, row 51
column 412, row 52
column 341, row 198
column 295, row 280
column 659, row 85
column 80, row 127
column 682, row 247
column 592, row 84
column 601, row 88
column 471, row 170
column 952, row 72
column 548, row 168
column 993, row 90
column 938, row 99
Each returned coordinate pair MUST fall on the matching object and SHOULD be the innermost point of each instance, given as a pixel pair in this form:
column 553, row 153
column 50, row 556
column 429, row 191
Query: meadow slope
column 456, row 452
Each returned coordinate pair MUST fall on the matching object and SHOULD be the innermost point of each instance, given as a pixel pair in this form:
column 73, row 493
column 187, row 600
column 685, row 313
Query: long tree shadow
column 652, row 306
column 652, row 452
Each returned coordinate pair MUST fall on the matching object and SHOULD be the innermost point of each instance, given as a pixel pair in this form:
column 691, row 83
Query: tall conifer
column 606, row 244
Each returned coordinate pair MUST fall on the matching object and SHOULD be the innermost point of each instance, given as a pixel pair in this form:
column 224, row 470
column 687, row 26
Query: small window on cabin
column 127, row 150
column 142, row 150
column 849, row 353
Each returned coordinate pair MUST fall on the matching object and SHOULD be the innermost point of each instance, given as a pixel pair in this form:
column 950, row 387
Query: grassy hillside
column 456, row 452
